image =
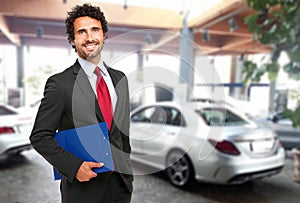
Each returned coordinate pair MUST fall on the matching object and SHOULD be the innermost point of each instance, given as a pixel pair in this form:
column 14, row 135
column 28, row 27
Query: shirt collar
column 89, row 67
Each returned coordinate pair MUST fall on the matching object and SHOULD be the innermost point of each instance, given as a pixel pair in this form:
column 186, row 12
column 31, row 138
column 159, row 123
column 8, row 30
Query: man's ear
column 73, row 44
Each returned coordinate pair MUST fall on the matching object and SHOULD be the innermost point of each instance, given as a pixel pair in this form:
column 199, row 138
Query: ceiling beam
column 236, row 44
column 223, row 28
column 245, row 46
column 166, row 38
column 13, row 38
column 218, row 11
column 115, row 14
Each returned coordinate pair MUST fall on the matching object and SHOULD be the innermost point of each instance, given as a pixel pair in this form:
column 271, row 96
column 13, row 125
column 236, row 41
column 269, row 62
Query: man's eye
column 80, row 32
column 96, row 30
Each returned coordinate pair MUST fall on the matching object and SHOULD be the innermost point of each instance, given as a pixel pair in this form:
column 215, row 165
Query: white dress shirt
column 89, row 68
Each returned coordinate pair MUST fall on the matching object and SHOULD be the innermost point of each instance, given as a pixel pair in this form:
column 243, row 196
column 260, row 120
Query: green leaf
column 275, row 55
column 248, row 71
column 258, row 74
column 273, row 29
column 251, row 21
column 272, row 69
column 293, row 70
column 293, row 115
column 259, row 5
column 266, row 38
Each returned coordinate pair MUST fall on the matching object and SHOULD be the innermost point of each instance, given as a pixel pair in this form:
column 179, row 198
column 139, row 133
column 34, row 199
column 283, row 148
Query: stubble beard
column 95, row 53
column 91, row 55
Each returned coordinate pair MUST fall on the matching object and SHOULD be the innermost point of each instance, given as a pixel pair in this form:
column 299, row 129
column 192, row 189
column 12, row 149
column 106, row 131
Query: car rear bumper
column 238, row 170
column 13, row 144
column 16, row 150
column 259, row 168
column 242, row 178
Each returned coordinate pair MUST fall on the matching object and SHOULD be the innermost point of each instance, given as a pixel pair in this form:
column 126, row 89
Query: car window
column 176, row 117
column 6, row 111
column 160, row 115
column 220, row 116
column 143, row 115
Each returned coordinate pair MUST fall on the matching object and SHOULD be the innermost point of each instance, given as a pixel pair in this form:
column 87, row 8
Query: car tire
column 179, row 169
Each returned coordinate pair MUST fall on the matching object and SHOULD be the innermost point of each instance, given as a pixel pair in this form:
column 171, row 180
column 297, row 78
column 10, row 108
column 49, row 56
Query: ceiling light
column 205, row 35
column 39, row 31
column 232, row 24
column 242, row 57
column 149, row 39
column 125, row 5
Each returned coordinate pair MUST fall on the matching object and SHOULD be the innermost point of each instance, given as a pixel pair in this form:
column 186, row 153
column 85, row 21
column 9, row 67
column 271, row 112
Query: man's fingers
column 95, row 165
column 85, row 172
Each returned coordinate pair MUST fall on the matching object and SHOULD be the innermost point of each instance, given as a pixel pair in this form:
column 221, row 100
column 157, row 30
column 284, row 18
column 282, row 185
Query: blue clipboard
column 89, row 143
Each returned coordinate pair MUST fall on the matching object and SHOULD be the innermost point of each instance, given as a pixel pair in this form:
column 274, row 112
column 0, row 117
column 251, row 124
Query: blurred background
column 172, row 50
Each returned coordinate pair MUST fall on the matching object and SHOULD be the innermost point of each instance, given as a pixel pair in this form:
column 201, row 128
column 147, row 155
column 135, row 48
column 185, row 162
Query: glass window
column 143, row 115
column 158, row 114
column 177, row 118
column 6, row 111
column 220, row 116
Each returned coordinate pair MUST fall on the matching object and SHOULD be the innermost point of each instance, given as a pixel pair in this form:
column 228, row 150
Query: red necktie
column 104, row 99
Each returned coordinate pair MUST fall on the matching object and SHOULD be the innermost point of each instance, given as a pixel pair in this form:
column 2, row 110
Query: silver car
column 15, row 129
column 205, row 141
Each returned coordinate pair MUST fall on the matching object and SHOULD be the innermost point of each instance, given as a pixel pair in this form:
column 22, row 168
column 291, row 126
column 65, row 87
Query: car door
column 140, row 128
column 162, row 134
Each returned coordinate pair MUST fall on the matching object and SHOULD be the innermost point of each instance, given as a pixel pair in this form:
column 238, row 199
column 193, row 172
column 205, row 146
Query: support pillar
column 272, row 97
column 186, row 52
column 20, row 73
column 20, row 67
column 139, row 77
column 238, row 76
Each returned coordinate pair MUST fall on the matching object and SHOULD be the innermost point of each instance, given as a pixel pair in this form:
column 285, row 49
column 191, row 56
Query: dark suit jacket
column 70, row 102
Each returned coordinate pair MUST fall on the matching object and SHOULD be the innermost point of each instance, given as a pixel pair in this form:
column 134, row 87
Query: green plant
column 276, row 23
column 36, row 81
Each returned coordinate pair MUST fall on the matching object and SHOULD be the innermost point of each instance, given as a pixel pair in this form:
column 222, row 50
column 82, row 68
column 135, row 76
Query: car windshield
column 220, row 117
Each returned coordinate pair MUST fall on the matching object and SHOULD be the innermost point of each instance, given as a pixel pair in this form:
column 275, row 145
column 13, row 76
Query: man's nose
column 89, row 36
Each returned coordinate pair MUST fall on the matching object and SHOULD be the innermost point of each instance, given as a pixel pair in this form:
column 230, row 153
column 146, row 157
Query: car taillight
column 279, row 143
column 225, row 147
column 6, row 130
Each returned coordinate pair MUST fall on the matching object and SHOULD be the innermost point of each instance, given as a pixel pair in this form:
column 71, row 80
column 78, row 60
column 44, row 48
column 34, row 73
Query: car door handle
column 171, row 133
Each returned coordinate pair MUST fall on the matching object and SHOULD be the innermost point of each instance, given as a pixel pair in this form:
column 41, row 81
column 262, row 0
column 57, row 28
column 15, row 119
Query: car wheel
column 179, row 169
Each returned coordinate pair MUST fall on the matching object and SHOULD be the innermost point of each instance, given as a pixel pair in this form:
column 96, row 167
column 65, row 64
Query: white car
column 204, row 141
column 15, row 129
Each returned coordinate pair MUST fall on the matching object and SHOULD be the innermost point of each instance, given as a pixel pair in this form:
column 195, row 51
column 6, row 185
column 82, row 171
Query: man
column 73, row 99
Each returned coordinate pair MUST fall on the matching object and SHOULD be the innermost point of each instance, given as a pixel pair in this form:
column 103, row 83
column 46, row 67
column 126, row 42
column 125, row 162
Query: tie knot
column 98, row 72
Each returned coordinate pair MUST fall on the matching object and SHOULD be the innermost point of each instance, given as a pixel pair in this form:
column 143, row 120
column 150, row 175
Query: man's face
column 89, row 38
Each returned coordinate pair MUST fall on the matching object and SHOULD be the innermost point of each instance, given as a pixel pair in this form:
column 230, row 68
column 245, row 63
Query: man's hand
column 85, row 172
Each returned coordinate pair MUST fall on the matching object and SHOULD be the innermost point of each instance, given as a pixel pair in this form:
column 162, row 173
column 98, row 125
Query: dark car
column 288, row 135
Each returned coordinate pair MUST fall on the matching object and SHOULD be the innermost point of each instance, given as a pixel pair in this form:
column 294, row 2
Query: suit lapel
column 83, row 84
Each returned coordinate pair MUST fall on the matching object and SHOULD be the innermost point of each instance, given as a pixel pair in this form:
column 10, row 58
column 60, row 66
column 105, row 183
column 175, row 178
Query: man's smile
column 91, row 46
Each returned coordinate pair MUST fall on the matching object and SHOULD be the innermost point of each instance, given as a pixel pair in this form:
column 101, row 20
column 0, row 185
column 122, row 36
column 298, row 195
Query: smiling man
column 88, row 39
column 87, row 93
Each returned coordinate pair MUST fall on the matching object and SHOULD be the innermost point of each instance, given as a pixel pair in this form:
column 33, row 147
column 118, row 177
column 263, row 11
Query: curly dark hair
column 84, row 10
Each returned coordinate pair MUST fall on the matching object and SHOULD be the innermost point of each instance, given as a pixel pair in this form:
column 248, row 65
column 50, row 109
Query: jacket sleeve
column 126, row 123
column 46, row 124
